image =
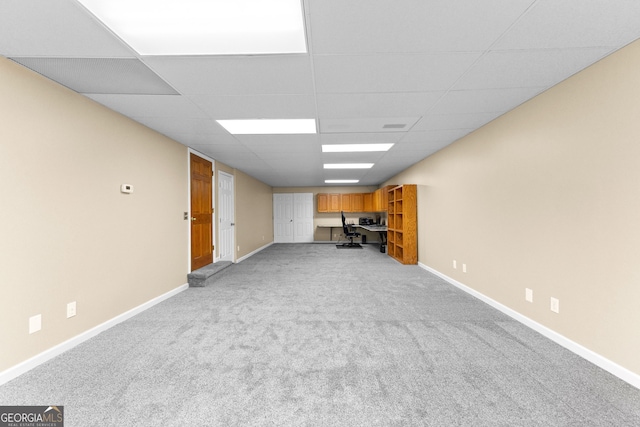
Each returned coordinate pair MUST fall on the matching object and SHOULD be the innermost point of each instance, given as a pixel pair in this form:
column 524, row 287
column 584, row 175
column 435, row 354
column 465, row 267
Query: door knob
column 193, row 218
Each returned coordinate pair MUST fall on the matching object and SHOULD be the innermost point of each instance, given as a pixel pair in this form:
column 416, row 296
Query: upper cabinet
column 345, row 206
column 367, row 200
column 329, row 202
column 323, row 202
column 357, row 202
column 334, row 203
column 354, row 202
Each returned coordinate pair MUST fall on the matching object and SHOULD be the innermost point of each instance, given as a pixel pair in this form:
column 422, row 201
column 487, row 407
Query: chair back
column 345, row 228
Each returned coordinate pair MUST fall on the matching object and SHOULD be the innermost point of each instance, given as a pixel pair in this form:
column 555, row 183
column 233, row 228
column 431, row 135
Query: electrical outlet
column 455, row 264
column 464, row 268
column 555, row 305
column 35, row 323
column 528, row 294
column 71, row 309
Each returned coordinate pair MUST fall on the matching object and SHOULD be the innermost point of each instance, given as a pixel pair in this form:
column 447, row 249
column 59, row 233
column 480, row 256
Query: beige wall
column 548, row 197
column 254, row 212
column 67, row 233
column 323, row 234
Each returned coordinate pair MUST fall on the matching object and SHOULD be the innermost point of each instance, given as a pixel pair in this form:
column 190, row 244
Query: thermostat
column 126, row 188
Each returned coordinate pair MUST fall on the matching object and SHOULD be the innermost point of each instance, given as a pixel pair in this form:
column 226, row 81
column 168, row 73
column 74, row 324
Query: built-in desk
column 382, row 231
column 330, row 227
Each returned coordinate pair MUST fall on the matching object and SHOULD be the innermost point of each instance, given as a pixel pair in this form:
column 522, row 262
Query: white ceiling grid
column 417, row 73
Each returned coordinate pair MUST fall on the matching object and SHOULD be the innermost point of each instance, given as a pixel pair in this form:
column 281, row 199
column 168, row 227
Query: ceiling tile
column 55, row 29
column 390, row 72
column 453, row 121
column 360, row 138
column 484, row 101
column 528, row 68
column 376, row 104
column 150, row 105
column 281, row 143
column 242, row 75
column 414, row 138
column 376, row 26
column 99, row 75
column 257, row 106
column 574, row 23
column 364, row 125
column 179, row 127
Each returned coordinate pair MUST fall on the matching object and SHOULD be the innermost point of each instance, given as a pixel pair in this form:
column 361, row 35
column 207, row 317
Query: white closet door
column 303, row 217
column 226, row 216
column 283, row 218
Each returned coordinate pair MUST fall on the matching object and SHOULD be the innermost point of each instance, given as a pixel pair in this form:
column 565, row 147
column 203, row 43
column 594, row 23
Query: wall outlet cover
column 71, row 309
column 528, row 294
column 35, row 323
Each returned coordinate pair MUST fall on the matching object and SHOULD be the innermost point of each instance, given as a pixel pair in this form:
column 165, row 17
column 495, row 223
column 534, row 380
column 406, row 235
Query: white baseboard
column 253, row 253
column 27, row 365
column 593, row 357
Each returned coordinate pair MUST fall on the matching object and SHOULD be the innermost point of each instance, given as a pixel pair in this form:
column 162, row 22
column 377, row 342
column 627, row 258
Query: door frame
column 213, row 199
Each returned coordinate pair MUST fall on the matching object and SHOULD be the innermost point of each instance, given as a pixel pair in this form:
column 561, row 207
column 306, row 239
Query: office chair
column 350, row 234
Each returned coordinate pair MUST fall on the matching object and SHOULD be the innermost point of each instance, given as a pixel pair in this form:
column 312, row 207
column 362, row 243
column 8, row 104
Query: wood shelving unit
column 402, row 236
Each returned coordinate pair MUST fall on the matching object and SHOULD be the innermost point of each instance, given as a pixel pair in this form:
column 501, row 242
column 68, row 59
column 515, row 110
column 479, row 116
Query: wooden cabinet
column 345, row 206
column 367, row 202
column 380, row 198
column 353, row 202
column 334, row 203
column 402, row 234
column 377, row 200
column 357, row 202
column 323, row 202
column 328, row 202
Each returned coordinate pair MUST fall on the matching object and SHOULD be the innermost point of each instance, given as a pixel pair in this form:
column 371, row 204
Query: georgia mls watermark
column 31, row 416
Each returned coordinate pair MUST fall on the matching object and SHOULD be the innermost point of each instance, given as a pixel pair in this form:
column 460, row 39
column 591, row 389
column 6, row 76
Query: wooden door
column 201, row 211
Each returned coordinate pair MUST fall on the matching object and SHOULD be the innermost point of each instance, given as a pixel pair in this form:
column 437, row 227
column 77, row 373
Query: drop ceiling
column 417, row 73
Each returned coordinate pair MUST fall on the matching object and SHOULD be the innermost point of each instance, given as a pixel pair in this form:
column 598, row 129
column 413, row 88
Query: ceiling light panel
column 212, row 27
column 354, row 148
column 269, row 126
column 348, row 165
column 341, row 181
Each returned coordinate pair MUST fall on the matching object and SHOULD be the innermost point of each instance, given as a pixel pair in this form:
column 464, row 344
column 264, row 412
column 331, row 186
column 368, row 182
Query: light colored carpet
column 309, row 335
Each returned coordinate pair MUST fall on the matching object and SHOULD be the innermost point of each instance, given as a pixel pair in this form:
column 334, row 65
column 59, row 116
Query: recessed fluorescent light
column 269, row 126
column 211, row 27
column 348, row 165
column 353, row 148
column 341, row 181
